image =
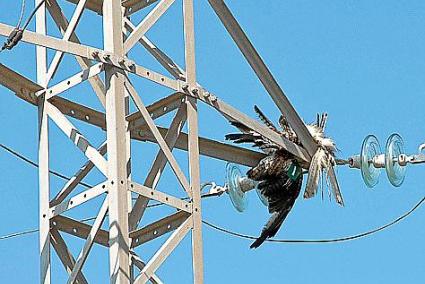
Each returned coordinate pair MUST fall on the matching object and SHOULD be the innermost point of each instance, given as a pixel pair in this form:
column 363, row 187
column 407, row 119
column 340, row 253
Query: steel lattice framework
column 120, row 35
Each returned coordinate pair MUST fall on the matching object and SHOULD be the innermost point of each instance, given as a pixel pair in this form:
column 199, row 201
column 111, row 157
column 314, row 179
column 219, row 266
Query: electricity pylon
column 116, row 93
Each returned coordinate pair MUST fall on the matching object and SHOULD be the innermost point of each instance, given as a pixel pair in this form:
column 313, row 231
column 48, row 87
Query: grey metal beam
column 116, row 124
column 131, row 5
column 156, row 110
column 157, row 167
column 264, row 74
column 160, row 140
column 140, row 264
column 159, row 55
column 146, row 24
column 193, row 143
column 92, row 53
column 43, row 152
column 94, row 5
column 89, row 242
column 157, row 228
column 25, row 89
column 57, row 58
column 65, row 255
column 79, row 229
column 165, row 250
column 62, row 23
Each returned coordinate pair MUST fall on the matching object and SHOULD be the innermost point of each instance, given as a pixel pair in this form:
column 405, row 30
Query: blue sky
column 360, row 61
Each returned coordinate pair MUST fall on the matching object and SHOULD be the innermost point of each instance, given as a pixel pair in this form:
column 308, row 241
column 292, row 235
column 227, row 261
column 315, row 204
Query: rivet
column 131, row 65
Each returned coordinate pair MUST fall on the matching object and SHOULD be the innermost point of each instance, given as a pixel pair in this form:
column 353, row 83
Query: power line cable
column 21, row 16
column 249, row 237
column 230, row 232
column 334, row 240
column 18, row 234
column 86, row 185
column 16, row 35
column 32, row 15
column 55, row 173
column 32, row 163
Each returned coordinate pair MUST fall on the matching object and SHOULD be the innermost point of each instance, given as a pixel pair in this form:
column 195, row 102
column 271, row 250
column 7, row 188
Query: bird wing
column 250, row 136
column 281, row 192
column 271, row 166
column 264, row 118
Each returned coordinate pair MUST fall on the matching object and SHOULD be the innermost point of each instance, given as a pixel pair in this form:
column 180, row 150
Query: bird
column 279, row 174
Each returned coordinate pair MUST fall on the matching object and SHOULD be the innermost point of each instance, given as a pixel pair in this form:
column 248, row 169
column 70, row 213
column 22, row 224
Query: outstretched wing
column 250, row 136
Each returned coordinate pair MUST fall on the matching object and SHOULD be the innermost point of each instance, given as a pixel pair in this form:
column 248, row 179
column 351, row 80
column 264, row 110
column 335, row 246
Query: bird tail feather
column 314, row 174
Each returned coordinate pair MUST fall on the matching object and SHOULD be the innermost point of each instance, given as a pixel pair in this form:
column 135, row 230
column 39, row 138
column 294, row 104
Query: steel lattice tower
column 120, row 35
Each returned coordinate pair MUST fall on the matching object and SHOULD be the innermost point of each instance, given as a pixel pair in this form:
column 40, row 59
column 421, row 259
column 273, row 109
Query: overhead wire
column 224, row 230
column 21, row 16
column 55, row 173
column 333, row 240
column 17, row 33
column 25, row 159
column 32, row 14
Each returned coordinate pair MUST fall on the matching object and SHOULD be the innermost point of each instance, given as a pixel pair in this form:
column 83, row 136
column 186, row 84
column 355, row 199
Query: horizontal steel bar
column 157, row 109
column 74, row 80
column 26, row 89
column 78, row 199
column 233, row 114
column 210, row 148
column 79, row 229
column 93, row 53
column 136, row 5
column 161, row 197
column 157, row 229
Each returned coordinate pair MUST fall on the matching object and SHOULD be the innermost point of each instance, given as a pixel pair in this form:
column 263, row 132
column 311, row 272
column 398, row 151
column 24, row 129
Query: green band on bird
column 294, row 171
